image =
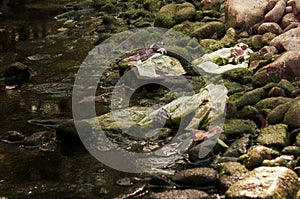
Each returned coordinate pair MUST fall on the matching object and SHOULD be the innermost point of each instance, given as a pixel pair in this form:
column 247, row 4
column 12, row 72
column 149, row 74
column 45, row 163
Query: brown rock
column 269, row 27
column 288, row 19
column 285, row 67
column 289, row 40
column 295, row 6
column 288, row 9
column 244, row 14
column 271, row 5
column 276, row 13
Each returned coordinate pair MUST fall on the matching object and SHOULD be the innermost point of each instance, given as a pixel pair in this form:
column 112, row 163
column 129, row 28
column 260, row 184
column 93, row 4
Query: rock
column 295, row 6
column 274, row 135
column 251, row 97
column 288, row 9
column 285, row 67
column 152, row 5
column 237, row 127
column 166, row 16
column 68, row 135
column 276, row 92
column 209, row 29
column 210, row 4
column 269, row 27
column 38, row 139
column 289, row 19
column 238, row 147
column 201, row 177
column 276, row 115
column 276, row 13
column 244, row 14
column 265, row 182
column 291, row 150
column 256, row 42
column 13, row 137
column 271, row 4
column 182, row 194
column 230, row 173
column 267, row 38
column 186, row 11
column 17, row 74
column 289, row 40
column 292, row 117
column 256, row 155
column 272, row 102
column 240, row 75
column 249, row 112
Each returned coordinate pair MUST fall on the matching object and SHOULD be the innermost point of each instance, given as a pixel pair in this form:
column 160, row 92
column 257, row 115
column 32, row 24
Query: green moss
column 251, row 97
column 237, row 127
column 274, row 135
column 272, row 102
column 209, row 29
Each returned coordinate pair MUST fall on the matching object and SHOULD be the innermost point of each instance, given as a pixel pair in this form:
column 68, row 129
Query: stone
column 251, row 97
column 210, row 4
column 238, row 127
column 267, row 38
column 186, row 11
column 264, row 183
column 256, row 155
column 202, row 176
column 287, row 86
column 272, row 102
column 274, row 135
column 17, row 74
column 230, row 173
column 288, row 41
column 182, row 194
column 292, row 117
column 238, row 147
column 276, row 92
column 276, row 115
column 244, row 14
column 289, row 19
column 209, row 29
column 249, row 112
column 269, row 27
column 256, row 42
column 295, row 6
column 276, row 13
column 291, row 150
column 284, row 67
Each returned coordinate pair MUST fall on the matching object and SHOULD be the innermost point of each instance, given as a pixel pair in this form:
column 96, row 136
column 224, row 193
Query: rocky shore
column 254, row 46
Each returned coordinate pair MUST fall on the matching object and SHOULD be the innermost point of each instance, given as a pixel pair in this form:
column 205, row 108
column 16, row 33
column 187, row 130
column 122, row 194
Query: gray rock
column 269, row 27
column 201, row 177
column 238, row 147
column 265, row 182
column 237, row 127
column 244, row 14
column 290, row 40
column 274, row 135
column 256, row 155
column 230, row 173
column 182, row 194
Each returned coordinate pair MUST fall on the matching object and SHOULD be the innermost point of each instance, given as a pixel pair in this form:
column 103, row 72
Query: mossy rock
column 276, row 115
column 249, row 112
column 186, row 11
column 251, row 97
column 256, row 42
column 240, row 75
column 256, row 155
column 233, row 87
column 287, row 86
column 274, row 135
column 291, row 150
column 238, row 127
column 230, row 173
column 109, row 8
column 152, row 5
column 166, row 16
column 292, row 117
column 209, row 29
column 239, row 146
column 272, row 102
column 267, row 38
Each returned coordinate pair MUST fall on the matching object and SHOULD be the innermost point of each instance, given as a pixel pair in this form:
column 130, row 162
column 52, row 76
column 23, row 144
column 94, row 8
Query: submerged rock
column 199, row 177
column 266, row 182
column 17, row 74
column 230, row 173
column 182, row 194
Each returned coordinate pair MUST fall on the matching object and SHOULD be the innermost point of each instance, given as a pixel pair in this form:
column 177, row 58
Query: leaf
column 223, row 144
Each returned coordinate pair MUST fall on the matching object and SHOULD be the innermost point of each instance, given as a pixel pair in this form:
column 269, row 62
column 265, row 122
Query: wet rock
column 249, row 112
column 17, row 74
column 240, row 75
column 290, row 40
column 276, row 92
column 268, row 104
column 285, row 67
column 276, row 13
column 269, row 27
column 276, row 115
column 184, row 194
column 256, row 155
column 37, row 139
column 210, row 4
column 200, row 177
column 13, row 137
column 209, row 29
column 244, row 14
column 266, row 182
column 292, row 117
column 274, row 135
column 186, row 11
column 267, row 38
column 287, row 86
column 289, row 19
column 68, row 135
column 237, row 127
column 230, row 173
column 38, row 57
column 256, row 42
column 239, row 146
column 151, row 5
column 295, row 6
column 251, row 97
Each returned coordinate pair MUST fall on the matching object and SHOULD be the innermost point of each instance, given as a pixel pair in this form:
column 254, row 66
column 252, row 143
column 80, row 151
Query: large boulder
column 285, row 67
column 266, row 182
column 244, row 14
column 289, row 40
